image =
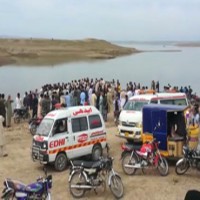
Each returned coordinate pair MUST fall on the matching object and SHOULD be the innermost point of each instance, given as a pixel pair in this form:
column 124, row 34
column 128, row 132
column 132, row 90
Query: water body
column 179, row 68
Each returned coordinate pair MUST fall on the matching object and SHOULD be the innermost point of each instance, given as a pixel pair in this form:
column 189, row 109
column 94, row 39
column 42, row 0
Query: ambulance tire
column 60, row 162
column 97, row 152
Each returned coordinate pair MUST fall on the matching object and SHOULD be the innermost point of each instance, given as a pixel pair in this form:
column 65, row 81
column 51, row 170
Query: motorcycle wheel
column 77, row 179
column 116, row 186
column 182, row 167
column 33, row 128
column 128, row 160
column 16, row 118
column 163, row 166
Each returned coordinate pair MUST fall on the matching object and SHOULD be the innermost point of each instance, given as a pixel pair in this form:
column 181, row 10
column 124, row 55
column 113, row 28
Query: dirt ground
column 149, row 186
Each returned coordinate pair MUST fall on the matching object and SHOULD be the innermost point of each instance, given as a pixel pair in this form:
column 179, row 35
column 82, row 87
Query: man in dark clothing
column 35, row 106
column 45, row 105
column 53, row 102
column 3, row 108
column 25, row 100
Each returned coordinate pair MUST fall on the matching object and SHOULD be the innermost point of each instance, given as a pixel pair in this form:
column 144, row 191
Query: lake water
column 179, row 68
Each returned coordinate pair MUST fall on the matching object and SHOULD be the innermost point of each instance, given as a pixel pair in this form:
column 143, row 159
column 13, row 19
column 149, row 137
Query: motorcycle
column 39, row 190
column 33, row 125
column 142, row 157
column 87, row 175
column 191, row 158
column 20, row 114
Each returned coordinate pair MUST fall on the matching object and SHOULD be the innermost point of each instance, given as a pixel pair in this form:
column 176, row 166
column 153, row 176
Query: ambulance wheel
column 60, row 162
column 96, row 152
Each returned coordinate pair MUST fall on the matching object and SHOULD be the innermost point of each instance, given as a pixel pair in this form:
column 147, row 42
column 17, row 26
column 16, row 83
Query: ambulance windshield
column 45, row 127
column 135, row 105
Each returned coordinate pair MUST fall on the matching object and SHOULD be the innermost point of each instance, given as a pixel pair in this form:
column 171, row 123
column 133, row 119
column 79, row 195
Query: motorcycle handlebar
column 153, row 141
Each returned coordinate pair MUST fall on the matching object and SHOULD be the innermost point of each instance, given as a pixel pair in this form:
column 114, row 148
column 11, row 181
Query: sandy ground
column 149, row 186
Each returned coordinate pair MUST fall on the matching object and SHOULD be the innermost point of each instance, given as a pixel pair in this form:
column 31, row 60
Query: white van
column 130, row 119
column 69, row 133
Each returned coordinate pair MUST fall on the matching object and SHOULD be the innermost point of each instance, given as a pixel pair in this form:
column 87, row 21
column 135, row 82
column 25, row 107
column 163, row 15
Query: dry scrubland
column 150, row 186
column 48, row 52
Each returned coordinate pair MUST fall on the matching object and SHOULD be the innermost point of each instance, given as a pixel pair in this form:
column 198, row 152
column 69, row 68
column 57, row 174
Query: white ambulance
column 130, row 119
column 69, row 133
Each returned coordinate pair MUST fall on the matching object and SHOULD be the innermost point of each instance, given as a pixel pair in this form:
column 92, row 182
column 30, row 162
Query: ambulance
column 67, row 134
column 130, row 119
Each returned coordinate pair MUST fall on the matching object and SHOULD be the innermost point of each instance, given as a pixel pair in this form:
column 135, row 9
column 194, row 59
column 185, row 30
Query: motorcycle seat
column 16, row 185
column 87, row 164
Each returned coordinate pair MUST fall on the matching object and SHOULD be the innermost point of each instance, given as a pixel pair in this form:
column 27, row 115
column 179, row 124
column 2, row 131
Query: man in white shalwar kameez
column 2, row 139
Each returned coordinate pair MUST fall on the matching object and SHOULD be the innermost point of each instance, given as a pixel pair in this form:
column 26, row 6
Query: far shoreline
column 50, row 51
column 44, row 52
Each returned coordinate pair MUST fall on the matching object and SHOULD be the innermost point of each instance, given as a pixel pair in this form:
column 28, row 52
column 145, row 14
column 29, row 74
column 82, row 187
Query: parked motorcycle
column 39, row 190
column 87, row 175
column 142, row 157
column 22, row 113
column 33, row 125
column 191, row 158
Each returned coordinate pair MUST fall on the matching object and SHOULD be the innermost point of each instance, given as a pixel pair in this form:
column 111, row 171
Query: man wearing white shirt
column 18, row 102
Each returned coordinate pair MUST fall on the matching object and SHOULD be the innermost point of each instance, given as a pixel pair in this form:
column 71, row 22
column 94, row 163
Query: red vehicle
column 141, row 157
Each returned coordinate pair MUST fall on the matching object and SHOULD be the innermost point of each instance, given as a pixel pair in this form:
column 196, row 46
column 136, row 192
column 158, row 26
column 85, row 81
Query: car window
column 154, row 101
column 174, row 101
column 180, row 102
column 45, row 127
column 135, row 105
column 60, row 126
column 95, row 121
column 79, row 124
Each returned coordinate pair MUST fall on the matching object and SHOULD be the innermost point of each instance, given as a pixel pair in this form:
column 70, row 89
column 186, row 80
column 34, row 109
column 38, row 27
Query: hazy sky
column 104, row 19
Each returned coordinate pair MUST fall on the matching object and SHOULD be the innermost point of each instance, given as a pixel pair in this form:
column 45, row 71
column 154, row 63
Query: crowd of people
column 106, row 96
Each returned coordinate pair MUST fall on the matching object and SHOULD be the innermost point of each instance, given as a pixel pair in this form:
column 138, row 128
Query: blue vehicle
column 166, row 123
column 39, row 190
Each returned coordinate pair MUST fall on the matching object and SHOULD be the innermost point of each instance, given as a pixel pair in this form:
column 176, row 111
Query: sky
column 114, row 20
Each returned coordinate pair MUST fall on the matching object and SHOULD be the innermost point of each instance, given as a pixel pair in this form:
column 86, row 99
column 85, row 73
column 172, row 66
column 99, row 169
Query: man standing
column 8, row 105
column 3, row 109
column 18, row 102
column 34, row 106
column 82, row 97
column 2, row 140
